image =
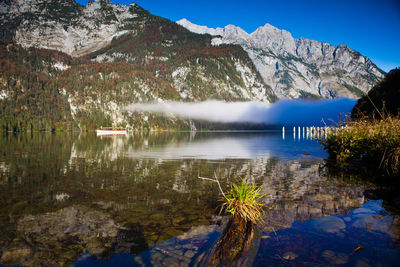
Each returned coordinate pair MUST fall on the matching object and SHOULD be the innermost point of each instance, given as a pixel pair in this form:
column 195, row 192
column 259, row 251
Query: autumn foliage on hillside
column 30, row 97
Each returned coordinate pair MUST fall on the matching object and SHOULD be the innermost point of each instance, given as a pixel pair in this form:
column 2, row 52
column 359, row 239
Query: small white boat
column 111, row 131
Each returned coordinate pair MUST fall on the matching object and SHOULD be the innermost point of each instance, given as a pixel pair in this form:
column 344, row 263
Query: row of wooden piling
column 309, row 132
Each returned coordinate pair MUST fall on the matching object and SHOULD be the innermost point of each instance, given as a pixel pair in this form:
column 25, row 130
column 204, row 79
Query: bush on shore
column 370, row 143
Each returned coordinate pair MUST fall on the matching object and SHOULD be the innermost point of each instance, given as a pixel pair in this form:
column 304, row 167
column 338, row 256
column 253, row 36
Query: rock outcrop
column 63, row 25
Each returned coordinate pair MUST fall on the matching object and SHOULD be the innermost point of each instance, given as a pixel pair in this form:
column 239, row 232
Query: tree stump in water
column 235, row 240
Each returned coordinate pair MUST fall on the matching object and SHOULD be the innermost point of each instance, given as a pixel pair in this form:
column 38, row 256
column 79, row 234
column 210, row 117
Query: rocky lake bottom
column 82, row 200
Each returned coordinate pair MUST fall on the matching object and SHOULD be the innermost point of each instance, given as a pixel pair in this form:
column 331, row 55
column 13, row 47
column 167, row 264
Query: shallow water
column 133, row 200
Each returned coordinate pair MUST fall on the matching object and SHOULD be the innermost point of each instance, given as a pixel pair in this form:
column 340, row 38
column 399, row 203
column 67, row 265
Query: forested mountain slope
column 112, row 55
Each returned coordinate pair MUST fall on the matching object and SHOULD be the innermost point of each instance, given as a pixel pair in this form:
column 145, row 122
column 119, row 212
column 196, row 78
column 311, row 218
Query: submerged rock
column 333, row 258
column 17, row 253
column 182, row 250
column 329, row 224
column 75, row 221
column 290, row 256
column 60, row 237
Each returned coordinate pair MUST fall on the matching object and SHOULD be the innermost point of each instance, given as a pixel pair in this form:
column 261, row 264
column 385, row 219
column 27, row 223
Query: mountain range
column 66, row 66
column 296, row 68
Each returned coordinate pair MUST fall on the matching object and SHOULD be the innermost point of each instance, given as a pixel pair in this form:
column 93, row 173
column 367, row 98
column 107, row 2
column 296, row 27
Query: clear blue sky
column 371, row 27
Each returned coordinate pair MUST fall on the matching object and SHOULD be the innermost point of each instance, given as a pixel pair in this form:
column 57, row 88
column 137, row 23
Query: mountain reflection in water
column 137, row 200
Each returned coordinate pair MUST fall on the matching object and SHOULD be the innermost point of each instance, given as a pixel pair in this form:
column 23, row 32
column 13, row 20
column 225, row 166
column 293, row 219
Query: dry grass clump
column 374, row 142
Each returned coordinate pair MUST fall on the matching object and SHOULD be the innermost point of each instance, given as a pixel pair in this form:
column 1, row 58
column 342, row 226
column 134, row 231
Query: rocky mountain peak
column 302, row 68
column 270, row 36
column 100, row 4
column 234, row 33
column 101, row 10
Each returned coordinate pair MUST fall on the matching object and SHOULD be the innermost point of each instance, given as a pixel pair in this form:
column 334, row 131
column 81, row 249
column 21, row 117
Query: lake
column 83, row 200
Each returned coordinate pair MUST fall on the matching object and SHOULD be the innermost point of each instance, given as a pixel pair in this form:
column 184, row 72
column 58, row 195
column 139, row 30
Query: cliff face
column 63, row 25
column 299, row 68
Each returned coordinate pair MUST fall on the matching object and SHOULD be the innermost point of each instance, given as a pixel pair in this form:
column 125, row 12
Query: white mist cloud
column 215, row 111
column 283, row 112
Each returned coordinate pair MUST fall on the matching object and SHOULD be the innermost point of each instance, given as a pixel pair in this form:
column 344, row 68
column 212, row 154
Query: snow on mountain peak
column 198, row 28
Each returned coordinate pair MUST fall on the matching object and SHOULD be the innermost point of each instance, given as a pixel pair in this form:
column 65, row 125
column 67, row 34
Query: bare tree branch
column 216, row 181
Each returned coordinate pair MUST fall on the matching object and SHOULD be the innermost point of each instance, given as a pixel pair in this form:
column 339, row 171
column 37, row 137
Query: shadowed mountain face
column 383, row 98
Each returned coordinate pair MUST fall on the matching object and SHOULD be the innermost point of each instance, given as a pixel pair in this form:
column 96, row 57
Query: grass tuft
column 244, row 202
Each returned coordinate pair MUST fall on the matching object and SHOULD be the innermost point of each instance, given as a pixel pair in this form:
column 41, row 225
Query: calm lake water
column 83, row 200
